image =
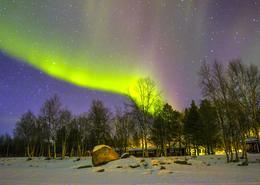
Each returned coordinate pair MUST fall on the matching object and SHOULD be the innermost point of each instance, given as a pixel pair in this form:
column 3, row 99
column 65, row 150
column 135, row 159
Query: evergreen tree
column 193, row 127
column 210, row 128
column 166, row 128
column 99, row 117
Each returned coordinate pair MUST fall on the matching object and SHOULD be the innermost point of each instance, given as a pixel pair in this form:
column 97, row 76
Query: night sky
column 98, row 49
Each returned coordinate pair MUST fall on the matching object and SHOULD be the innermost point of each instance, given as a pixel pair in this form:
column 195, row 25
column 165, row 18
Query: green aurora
column 81, row 58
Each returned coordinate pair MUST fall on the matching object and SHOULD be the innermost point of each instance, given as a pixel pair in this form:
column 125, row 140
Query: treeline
column 224, row 119
column 55, row 131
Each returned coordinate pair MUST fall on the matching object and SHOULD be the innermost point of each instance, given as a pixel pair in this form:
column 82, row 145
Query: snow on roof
column 140, row 149
column 251, row 140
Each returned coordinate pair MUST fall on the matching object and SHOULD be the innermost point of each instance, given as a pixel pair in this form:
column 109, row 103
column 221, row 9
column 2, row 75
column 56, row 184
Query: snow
column 205, row 170
column 99, row 147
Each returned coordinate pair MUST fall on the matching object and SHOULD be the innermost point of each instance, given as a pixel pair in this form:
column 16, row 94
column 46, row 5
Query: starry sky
column 98, row 49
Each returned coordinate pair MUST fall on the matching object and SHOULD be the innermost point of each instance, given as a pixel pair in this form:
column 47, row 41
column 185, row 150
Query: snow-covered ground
column 210, row 170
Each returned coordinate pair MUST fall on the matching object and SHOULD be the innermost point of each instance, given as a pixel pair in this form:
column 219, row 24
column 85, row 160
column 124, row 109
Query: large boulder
column 102, row 154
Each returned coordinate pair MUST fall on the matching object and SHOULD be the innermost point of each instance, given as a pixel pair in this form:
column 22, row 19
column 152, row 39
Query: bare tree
column 65, row 118
column 145, row 95
column 83, row 133
column 124, row 129
column 214, row 87
column 244, row 87
column 50, row 115
column 25, row 129
column 235, row 93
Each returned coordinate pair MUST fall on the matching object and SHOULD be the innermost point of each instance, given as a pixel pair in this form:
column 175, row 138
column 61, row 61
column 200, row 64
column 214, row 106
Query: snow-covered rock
column 103, row 154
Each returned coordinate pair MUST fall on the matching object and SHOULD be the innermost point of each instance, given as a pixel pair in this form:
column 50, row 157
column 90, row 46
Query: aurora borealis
column 63, row 45
column 110, row 44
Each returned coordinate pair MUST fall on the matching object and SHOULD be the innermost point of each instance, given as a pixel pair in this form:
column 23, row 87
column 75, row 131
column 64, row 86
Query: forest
column 227, row 115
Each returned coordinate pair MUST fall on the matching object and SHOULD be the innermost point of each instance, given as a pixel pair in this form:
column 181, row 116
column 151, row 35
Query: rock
column 243, row 164
column 33, row 166
column 182, row 162
column 148, row 172
column 134, row 165
column 164, row 172
column 99, row 170
column 142, row 160
column 125, row 155
column 78, row 159
column 164, row 161
column 103, row 154
column 155, row 162
column 145, row 164
column 162, row 168
column 85, row 166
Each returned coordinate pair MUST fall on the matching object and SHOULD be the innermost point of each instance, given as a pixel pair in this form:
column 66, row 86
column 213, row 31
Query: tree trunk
column 180, row 150
column 211, row 149
column 256, row 132
column 71, row 152
column 79, row 150
column 244, row 151
column 41, row 152
column 142, row 140
column 246, row 158
column 146, row 149
column 231, row 155
column 63, row 150
column 82, row 150
column 37, row 148
column 208, row 149
column 236, row 153
column 7, row 150
column 158, row 152
column 33, row 151
column 49, row 150
column 197, row 148
column 125, row 147
column 28, row 150
column 226, row 149
column 54, row 150
column 227, row 155
column 189, row 148
column 164, row 149
column 169, row 148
